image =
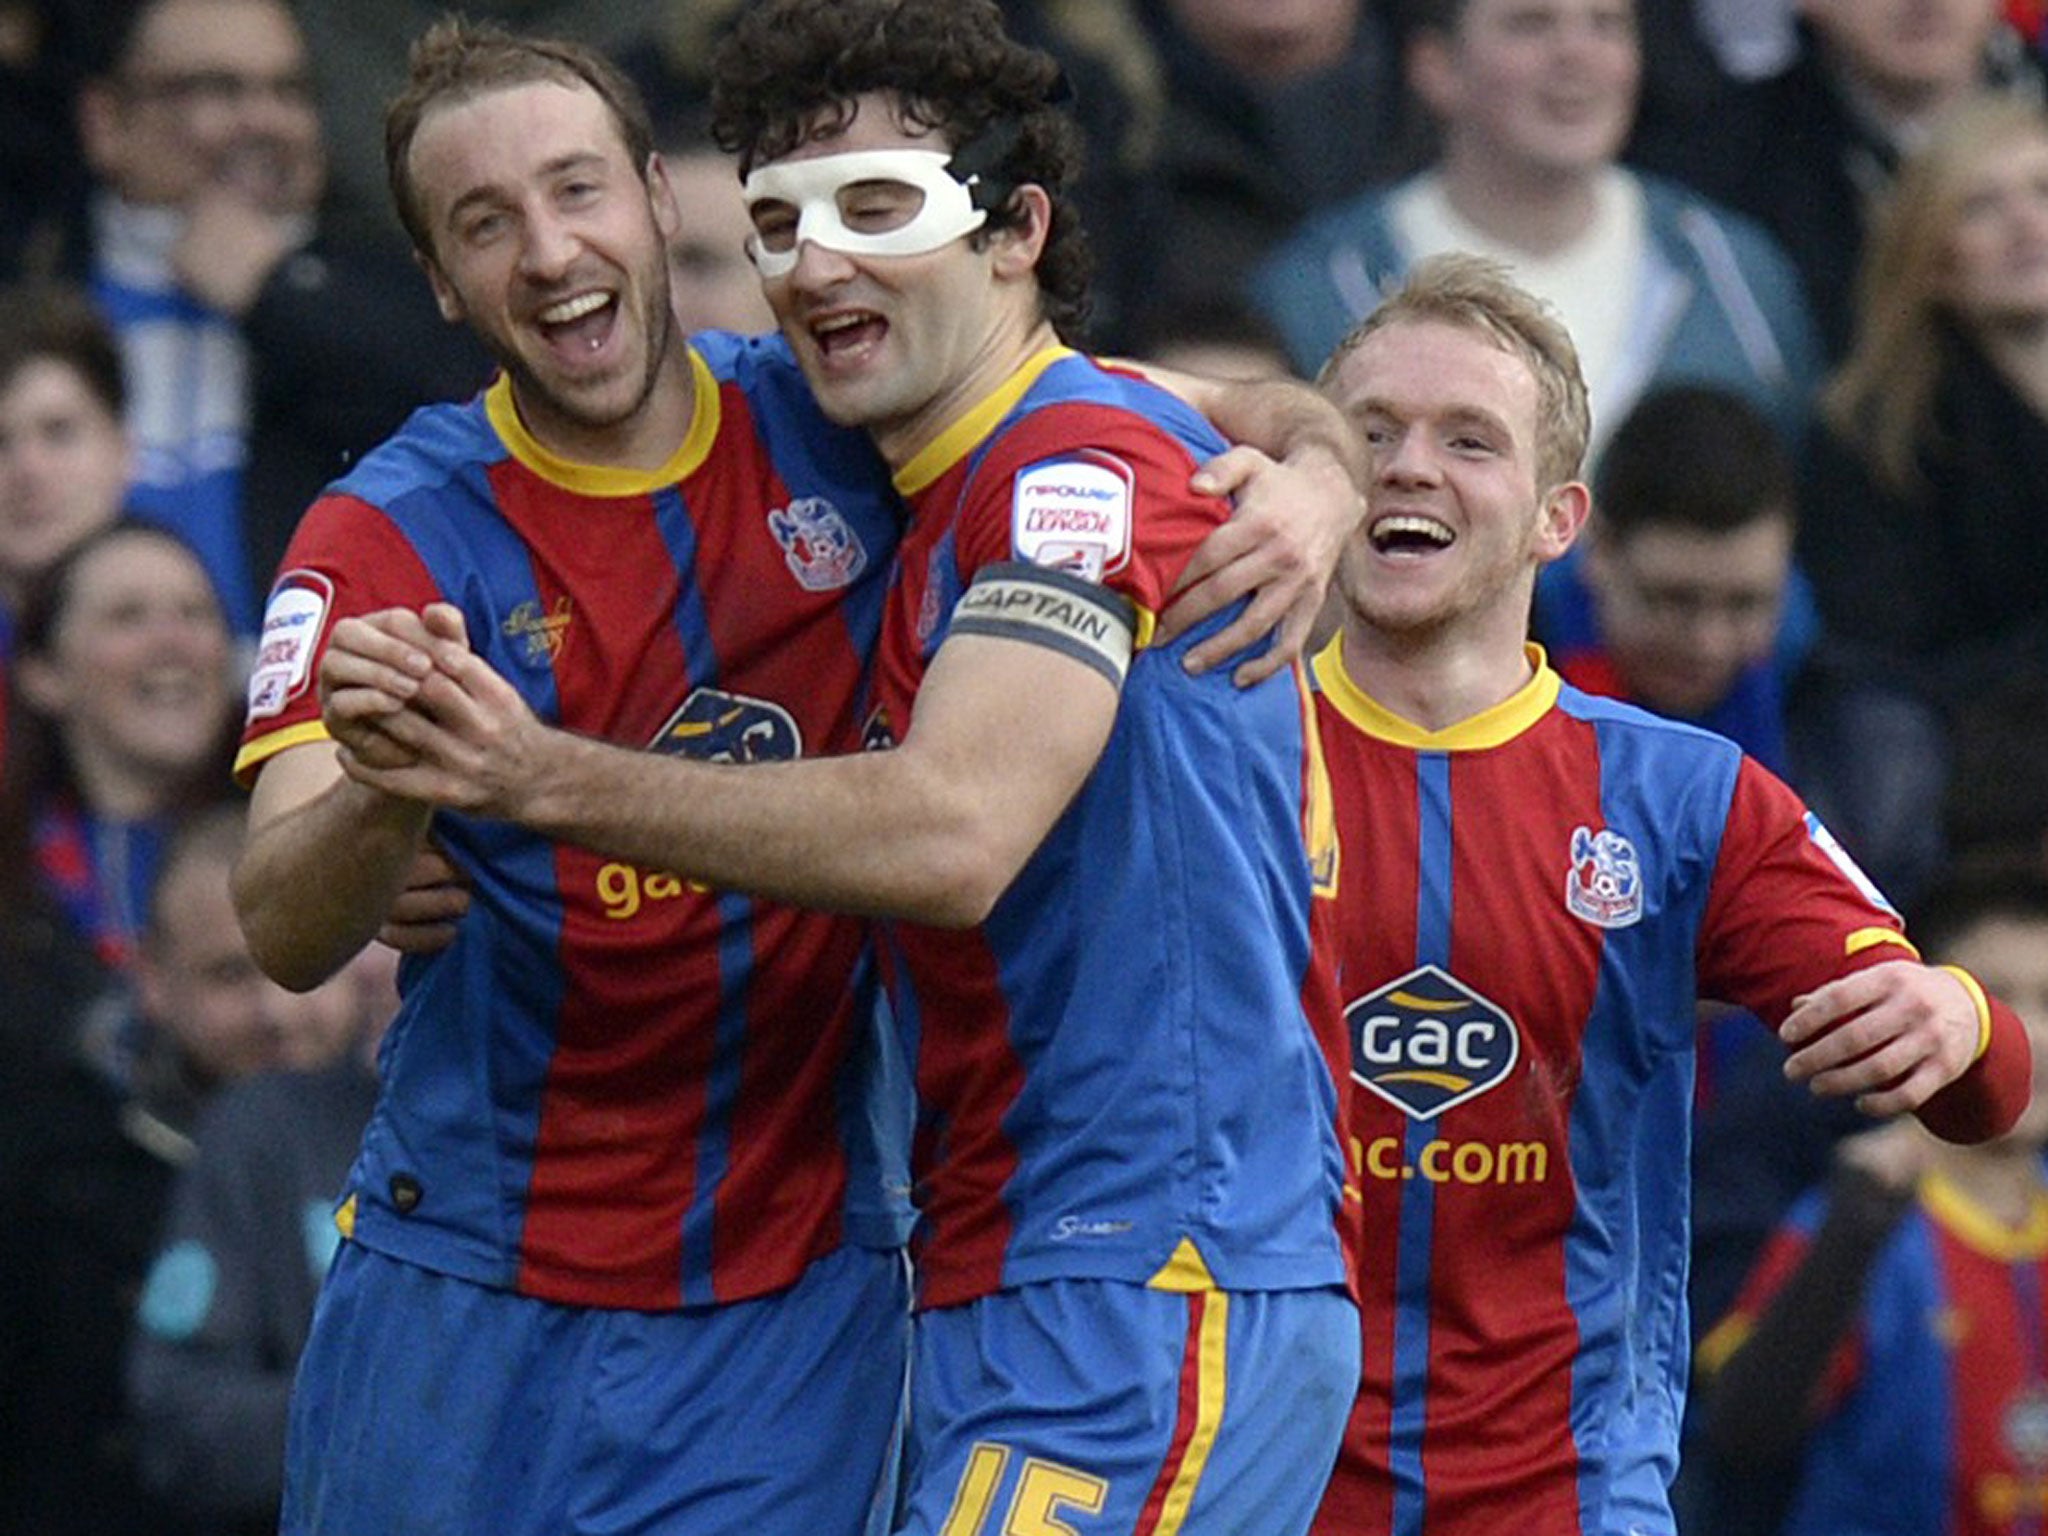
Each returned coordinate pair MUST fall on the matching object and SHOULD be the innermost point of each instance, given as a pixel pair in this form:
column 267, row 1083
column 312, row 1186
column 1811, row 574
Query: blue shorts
column 1109, row 1409
column 430, row 1405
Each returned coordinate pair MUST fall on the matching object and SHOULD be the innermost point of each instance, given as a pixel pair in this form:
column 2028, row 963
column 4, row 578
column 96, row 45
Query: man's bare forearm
column 868, row 834
column 320, row 872
column 1283, row 418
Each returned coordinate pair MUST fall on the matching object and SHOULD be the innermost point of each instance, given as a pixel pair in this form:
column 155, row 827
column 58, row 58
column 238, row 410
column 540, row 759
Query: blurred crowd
column 1802, row 246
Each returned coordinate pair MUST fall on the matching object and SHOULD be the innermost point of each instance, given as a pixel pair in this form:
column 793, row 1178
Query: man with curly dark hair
column 1095, row 1133
column 1001, row 105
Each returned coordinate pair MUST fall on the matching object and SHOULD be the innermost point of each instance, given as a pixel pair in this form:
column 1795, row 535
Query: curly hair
column 790, row 69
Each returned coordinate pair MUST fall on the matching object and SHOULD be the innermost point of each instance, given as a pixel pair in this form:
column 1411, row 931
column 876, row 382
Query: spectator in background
column 1272, row 109
column 229, row 1296
column 64, row 454
column 1678, row 601
column 1886, row 1360
column 712, row 285
column 200, row 131
column 1216, row 338
column 42, row 173
column 258, row 353
column 358, row 51
column 1921, row 524
column 91, row 1145
column 124, row 712
column 1807, row 151
column 1535, row 99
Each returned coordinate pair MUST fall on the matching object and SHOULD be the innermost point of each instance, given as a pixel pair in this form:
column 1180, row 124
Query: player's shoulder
column 1651, row 758
column 765, row 397
column 435, row 447
column 757, row 365
column 1082, row 402
column 1622, row 718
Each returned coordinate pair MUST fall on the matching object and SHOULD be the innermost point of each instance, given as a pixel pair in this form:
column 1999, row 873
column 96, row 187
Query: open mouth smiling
column 1409, row 533
column 847, row 331
column 583, row 319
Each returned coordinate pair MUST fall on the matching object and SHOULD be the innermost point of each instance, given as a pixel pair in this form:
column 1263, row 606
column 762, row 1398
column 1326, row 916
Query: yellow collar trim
column 1978, row 1228
column 954, row 444
column 1489, row 728
column 607, row 480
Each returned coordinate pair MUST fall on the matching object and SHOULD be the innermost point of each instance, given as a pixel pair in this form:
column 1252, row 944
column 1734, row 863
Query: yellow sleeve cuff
column 1983, row 1006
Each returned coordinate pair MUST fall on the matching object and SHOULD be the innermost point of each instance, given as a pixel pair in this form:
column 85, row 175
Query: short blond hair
column 1477, row 294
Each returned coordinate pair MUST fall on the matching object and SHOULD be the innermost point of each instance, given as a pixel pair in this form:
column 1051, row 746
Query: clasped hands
column 416, row 713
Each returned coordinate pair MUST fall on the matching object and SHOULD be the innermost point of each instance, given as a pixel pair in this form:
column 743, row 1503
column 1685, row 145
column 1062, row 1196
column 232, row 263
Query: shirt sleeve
column 346, row 558
column 1099, row 492
column 1789, row 911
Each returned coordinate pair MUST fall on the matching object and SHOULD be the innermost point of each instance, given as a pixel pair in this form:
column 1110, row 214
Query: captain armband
column 1016, row 600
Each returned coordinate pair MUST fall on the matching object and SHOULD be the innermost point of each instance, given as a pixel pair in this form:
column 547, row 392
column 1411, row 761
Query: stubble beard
column 658, row 333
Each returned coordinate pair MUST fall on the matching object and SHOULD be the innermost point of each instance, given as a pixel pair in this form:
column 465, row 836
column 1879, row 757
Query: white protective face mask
column 944, row 212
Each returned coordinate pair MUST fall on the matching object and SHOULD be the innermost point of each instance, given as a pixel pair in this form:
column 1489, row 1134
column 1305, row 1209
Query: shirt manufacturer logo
column 543, row 631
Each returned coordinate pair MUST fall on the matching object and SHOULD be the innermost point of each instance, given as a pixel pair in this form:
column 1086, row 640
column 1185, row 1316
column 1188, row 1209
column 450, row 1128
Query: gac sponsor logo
column 1426, row 1042
column 623, row 890
column 1454, row 1162
column 714, row 726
